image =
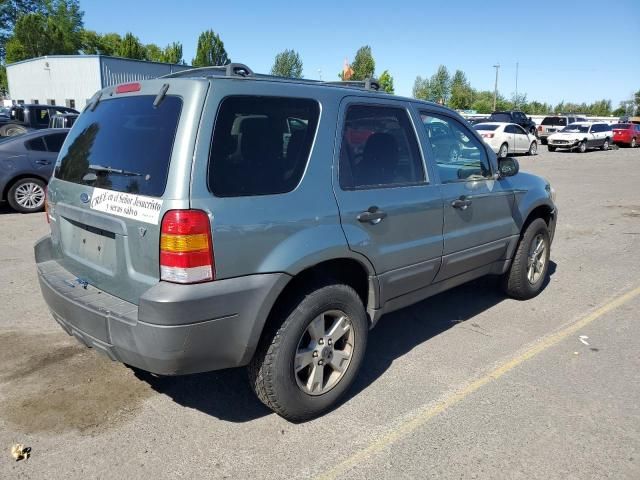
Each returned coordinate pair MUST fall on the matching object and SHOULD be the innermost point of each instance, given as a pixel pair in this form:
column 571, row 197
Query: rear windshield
column 621, row 126
column 261, row 145
column 123, row 145
column 562, row 121
column 500, row 117
column 485, row 126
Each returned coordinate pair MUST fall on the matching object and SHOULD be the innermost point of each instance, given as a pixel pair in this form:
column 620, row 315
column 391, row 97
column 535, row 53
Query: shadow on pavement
column 226, row 394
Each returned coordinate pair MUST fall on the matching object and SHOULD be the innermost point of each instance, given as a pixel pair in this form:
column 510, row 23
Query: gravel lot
column 467, row 384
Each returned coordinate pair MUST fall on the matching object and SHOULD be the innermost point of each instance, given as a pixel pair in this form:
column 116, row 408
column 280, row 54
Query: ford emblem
column 84, row 197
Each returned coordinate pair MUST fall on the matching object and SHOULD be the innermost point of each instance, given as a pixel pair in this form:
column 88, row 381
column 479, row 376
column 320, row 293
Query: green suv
column 218, row 218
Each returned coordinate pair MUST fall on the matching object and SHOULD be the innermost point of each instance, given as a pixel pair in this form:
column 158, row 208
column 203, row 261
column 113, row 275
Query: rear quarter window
column 124, row 145
column 261, row 145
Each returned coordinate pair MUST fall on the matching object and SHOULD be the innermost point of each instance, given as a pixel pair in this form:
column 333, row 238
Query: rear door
column 521, row 138
column 390, row 210
column 478, row 221
column 124, row 163
column 43, row 151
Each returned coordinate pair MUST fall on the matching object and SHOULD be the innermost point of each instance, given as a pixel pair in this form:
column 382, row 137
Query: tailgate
column 123, row 165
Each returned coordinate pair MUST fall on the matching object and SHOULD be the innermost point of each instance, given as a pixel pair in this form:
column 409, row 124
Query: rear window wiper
column 119, row 171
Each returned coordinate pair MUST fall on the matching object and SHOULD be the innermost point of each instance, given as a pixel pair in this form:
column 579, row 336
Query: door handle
column 43, row 162
column 462, row 203
column 373, row 215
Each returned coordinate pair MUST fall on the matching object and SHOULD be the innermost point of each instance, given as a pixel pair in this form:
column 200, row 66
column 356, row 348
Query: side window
column 37, row 144
column 596, row 128
column 41, row 116
column 519, row 130
column 510, row 129
column 55, row 141
column 255, row 150
column 379, row 149
column 459, row 155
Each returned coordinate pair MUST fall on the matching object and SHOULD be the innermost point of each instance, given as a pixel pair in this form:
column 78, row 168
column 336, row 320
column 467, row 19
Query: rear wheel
column 605, row 145
column 308, row 363
column 533, row 148
column 27, row 195
column 530, row 265
column 504, row 150
column 11, row 130
column 582, row 146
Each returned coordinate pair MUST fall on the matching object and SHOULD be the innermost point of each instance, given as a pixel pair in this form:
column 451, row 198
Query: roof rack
column 367, row 84
column 229, row 70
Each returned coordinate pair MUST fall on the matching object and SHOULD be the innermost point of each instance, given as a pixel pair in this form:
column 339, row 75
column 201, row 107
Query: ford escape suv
column 217, row 218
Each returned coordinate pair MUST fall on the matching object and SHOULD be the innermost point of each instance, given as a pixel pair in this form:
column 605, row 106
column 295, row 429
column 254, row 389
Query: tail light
column 186, row 248
column 487, row 135
column 128, row 88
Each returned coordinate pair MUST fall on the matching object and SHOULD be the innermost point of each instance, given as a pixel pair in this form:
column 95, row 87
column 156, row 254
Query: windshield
column 576, row 128
column 621, row 126
column 562, row 121
column 500, row 117
column 485, row 126
column 121, row 136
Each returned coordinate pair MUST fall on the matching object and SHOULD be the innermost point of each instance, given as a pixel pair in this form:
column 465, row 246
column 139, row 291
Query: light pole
column 495, row 88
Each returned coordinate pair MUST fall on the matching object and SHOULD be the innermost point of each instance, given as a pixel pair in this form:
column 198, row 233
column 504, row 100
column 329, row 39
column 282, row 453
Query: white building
column 71, row 80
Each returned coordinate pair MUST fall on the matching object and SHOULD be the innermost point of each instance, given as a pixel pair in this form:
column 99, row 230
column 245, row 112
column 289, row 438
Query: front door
column 390, row 210
column 478, row 221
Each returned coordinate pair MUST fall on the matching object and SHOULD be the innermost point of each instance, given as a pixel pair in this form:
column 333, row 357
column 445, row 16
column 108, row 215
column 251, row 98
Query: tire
column 605, row 145
column 582, row 146
column 550, row 148
column 633, row 143
column 504, row 150
column 292, row 393
column 518, row 282
column 27, row 195
column 11, row 130
column 533, row 148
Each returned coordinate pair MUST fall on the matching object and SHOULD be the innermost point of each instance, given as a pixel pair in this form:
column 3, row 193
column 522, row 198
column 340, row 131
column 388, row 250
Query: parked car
column 23, row 118
column 212, row 246
column 626, row 134
column 63, row 120
column 555, row 123
column 517, row 117
column 26, row 163
column 506, row 138
column 583, row 136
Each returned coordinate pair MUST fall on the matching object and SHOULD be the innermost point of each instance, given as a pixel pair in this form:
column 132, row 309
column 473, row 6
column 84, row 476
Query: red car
column 626, row 134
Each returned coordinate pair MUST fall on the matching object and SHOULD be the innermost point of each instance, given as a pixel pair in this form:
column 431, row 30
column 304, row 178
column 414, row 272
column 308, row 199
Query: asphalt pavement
column 467, row 384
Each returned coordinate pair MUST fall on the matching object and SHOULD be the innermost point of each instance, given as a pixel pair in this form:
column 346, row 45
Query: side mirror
column 508, row 167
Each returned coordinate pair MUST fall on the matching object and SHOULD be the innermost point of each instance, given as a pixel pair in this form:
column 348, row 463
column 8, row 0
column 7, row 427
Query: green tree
column 601, row 108
column 386, row 82
column 4, row 84
column 173, row 53
column 130, row 47
column 461, row 92
column 210, row 51
column 111, row 43
column 363, row 64
column 10, row 12
column 440, row 85
column 287, row 64
column 66, row 17
column 91, row 43
column 31, row 38
column 421, row 88
column 153, row 53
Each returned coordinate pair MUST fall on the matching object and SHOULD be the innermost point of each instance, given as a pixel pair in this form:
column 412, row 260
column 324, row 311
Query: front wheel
column 530, row 265
column 303, row 368
column 27, row 195
column 12, row 130
column 605, row 145
column 582, row 146
column 533, row 148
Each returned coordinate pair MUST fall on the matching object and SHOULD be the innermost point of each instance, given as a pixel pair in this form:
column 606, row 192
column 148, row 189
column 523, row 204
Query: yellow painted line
column 426, row 414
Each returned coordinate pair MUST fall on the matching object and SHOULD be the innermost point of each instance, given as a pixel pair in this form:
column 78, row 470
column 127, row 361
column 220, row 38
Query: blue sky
column 567, row 50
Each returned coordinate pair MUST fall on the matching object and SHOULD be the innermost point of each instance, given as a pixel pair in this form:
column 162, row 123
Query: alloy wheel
column 324, row 352
column 30, row 195
column 537, row 259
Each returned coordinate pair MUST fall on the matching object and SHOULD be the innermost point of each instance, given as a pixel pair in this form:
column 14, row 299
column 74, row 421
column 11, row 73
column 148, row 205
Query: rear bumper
column 175, row 329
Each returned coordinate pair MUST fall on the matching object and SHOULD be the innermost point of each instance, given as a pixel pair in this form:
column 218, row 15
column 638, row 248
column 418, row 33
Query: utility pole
column 495, row 89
